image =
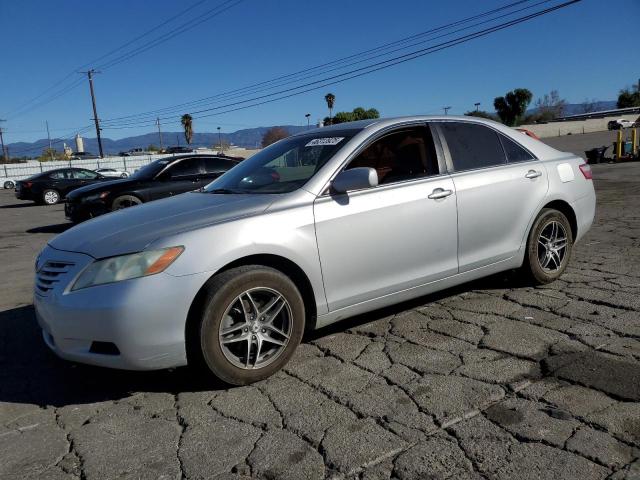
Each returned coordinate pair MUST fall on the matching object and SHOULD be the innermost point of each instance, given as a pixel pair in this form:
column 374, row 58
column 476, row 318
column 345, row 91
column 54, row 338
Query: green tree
column 187, row 124
column 358, row 113
column 482, row 114
column 629, row 97
column 273, row 135
column 330, row 98
column 512, row 106
column 153, row 148
column 49, row 154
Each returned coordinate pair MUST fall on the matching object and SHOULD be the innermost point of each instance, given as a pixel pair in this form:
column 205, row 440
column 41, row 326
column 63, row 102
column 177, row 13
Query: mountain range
column 247, row 138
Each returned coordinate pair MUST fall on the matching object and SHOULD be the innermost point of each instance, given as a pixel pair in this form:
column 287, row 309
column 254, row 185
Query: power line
column 277, row 82
column 355, row 73
column 207, row 15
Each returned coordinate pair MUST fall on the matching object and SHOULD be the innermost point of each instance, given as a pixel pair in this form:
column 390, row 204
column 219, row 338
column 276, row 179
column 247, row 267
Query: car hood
column 133, row 229
column 98, row 187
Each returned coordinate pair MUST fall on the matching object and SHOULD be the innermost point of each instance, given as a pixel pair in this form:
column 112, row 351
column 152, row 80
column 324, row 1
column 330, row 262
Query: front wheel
column 50, row 197
column 8, row 184
column 252, row 322
column 549, row 247
column 125, row 201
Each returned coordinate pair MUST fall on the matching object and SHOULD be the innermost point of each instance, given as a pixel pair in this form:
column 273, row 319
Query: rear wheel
column 50, row 197
column 9, row 184
column 252, row 322
column 125, row 201
column 549, row 247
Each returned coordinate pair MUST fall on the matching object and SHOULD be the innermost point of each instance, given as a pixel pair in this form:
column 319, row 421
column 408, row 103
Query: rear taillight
column 586, row 171
column 27, row 184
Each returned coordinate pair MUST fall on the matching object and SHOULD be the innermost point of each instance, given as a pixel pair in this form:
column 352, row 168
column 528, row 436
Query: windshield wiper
column 223, row 191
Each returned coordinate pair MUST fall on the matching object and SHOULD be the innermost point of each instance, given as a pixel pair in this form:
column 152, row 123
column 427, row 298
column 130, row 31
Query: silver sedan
column 315, row 228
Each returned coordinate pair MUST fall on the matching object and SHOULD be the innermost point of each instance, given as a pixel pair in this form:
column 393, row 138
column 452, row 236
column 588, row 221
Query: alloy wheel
column 256, row 328
column 552, row 246
column 51, row 197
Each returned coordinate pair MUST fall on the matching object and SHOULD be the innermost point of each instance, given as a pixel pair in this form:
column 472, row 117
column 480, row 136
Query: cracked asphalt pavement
column 492, row 379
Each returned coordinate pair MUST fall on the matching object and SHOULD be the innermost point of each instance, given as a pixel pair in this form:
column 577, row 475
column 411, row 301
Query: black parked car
column 52, row 186
column 162, row 178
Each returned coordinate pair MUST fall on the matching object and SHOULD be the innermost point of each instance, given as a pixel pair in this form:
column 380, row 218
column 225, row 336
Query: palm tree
column 330, row 98
column 187, row 123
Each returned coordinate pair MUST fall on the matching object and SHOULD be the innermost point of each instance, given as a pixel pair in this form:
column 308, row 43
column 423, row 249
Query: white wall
column 557, row 129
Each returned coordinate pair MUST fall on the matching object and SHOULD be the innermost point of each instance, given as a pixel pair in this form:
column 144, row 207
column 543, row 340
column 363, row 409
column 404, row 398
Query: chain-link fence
column 18, row 171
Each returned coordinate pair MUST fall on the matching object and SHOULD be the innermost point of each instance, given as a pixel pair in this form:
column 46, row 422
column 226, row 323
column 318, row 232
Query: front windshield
column 150, row 170
column 282, row 167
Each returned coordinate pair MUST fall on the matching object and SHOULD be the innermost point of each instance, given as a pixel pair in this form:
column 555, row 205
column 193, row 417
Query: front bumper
column 79, row 212
column 144, row 318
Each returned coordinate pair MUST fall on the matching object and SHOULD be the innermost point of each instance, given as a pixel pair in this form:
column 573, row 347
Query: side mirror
column 355, row 179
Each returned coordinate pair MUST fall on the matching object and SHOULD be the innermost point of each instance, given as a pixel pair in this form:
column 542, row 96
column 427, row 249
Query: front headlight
column 125, row 267
column 96, row 196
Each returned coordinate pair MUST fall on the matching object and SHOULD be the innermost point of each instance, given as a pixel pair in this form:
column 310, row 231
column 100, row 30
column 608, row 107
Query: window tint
column 215, row 165
column 57, row 175
column 472, row 145
column 515, row 153
column 83, row 174
column 401, row 155
column 189, row 166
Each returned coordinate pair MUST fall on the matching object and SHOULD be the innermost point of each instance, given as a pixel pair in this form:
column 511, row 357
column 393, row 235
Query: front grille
column 50, row 274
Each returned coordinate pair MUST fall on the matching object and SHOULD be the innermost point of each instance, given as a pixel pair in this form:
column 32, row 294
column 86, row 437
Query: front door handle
column 533, row 174
column 440, row 193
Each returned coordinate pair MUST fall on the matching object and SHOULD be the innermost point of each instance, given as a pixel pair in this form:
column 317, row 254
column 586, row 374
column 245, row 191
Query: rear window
column 215, row 165
column 472, row 145
column 515, row 153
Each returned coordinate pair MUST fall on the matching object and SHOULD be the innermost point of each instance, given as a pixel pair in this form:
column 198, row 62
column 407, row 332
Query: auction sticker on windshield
column 318, row 142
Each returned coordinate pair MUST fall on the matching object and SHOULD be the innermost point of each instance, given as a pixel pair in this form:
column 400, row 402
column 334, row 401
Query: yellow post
column 634, row 141
column 619, row 146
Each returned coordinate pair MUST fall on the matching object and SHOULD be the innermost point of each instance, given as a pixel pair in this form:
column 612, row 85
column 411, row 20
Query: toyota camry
column 318, row 227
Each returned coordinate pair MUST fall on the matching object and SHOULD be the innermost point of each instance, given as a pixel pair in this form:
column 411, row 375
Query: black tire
column 125, row 201
column 124, row 175
column 9, row 184
column 537, row 254
column 220, row 294
column 51, row 197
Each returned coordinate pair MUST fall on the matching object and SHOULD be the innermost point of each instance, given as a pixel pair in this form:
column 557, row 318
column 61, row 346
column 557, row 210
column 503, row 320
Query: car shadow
column 31, row 374
column 20, row 205
column 57, row 228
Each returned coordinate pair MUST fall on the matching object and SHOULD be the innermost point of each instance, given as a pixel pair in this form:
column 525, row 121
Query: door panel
column 495, row 207
column 382, row 240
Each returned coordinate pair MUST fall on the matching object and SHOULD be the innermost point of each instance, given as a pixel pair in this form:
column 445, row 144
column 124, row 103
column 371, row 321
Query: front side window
column 59, row 175
column 401, row 155
column 515, row 153
column 185, row 168
column 472, row 145
column 283, row 166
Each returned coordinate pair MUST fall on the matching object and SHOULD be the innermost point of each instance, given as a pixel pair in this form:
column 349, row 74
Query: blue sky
column 583, row 51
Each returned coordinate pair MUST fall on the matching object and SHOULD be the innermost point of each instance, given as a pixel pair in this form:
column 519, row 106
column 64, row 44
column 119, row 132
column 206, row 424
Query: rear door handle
column 533, row 174
column 440, row 193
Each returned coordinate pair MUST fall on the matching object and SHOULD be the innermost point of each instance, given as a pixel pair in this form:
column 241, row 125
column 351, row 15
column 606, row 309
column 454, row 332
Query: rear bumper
column 585, row 210
column 24, row 195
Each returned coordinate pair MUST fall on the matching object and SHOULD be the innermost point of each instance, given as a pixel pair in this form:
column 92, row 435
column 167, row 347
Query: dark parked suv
column 52, row 186
column 160, row 179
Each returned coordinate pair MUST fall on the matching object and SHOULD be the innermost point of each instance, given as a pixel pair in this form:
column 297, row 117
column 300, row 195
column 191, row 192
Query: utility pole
column 308, row 115
column 477, row 104
column 446, row 110
column 95, row 112
column 219, row 141
column 49, row 137
column 4, row 152
column 159, row 132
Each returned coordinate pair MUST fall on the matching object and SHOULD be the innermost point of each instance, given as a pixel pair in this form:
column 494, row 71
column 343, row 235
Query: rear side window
column 57, row 175
column 515, row 153
column 472, row 145
column 215, row 165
